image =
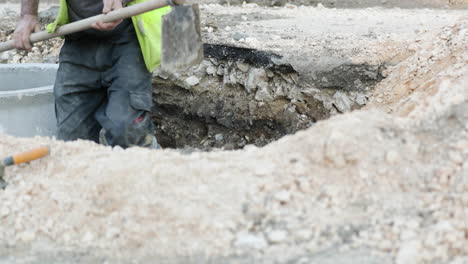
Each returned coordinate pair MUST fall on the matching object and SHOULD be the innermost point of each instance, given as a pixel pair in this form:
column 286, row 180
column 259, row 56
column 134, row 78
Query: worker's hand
column 109, row 5
column 27, row 25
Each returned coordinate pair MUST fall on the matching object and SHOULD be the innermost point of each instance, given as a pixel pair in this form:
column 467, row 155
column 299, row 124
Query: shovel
column 19, row 159
column 182, row 45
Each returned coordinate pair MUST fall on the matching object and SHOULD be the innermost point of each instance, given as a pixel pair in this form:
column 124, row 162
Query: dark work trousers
column 103, row 84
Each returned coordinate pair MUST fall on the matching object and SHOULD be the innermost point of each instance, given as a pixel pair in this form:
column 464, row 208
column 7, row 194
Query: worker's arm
column 27, row 24
column 109, row 5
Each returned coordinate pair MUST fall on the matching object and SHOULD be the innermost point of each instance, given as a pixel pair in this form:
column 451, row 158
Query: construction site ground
column 341, row 137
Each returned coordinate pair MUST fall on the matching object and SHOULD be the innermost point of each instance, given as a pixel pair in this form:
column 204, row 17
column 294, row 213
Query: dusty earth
column 385, row 183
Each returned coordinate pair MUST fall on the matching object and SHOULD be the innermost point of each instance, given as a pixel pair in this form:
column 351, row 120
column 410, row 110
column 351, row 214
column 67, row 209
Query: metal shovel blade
column 182, row 45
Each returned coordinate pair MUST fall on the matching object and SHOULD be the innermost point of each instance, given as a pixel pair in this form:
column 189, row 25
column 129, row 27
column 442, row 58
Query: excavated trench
column 240, row 96
column 235, row 97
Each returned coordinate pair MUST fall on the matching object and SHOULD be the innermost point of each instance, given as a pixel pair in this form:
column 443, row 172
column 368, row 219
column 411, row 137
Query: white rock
column 386, row 245
column 27, row 236
column 5, row 211
column 277, row 236
column 67, row 237
column 239, row 36
column 246, row 240
column 304, row 234
column 207, row 63
column 192, row 81
column 219, row 137
column 211, row 70
column 283, row 196
column 199, row 71
column 263, row 94
column 361, row 99
column 233, row 77
column 5, row 56
column 251, row 40
column 407, row 234
column 342, row 102
column 409, row 252
column 392, row 157
column 264, row 169
column 270, row 74
column 220, row 71
column 254, row 78
column 249, row 5
column 460, row 260
column 456, row 157
column 215, row 62
column 413, row 224
column 112, row 232
column 88, row 237
column 444, row 226
column 244, row 67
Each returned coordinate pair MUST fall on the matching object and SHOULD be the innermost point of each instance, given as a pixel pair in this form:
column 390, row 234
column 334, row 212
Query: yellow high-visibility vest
column 148, row 28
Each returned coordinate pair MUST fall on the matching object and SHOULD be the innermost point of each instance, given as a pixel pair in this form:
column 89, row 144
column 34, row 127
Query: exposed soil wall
column 240, row 96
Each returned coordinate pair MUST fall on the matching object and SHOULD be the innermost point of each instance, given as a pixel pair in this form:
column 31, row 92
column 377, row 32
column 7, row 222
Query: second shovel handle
column 30, row 155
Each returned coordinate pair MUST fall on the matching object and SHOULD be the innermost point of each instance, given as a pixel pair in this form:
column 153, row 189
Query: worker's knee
column 139, row 128
column 139, row 131
column 127, row 120
column 130, row 131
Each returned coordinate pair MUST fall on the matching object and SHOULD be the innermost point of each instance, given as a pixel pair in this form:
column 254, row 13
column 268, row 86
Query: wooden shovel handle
column 84, row 24
column 31, row 155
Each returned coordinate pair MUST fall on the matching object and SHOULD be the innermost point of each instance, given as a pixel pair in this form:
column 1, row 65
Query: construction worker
column 103, row 88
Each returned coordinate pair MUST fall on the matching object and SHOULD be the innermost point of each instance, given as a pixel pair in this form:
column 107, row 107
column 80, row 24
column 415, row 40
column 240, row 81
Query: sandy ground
column 355, row 3
column 386, row 184
column 329, row 3
column 314, row 39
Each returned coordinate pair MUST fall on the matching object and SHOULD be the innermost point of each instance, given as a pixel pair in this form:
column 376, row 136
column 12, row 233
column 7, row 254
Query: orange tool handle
column 31, row 155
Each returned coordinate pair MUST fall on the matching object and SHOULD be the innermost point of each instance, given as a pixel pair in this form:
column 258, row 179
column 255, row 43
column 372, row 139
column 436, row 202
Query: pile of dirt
column 371, row 186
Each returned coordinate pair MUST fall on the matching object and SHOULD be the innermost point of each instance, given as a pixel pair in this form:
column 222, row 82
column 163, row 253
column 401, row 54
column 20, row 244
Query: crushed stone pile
column 386, row 184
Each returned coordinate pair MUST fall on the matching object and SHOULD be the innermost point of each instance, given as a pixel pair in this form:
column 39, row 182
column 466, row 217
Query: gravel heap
column 381, row 185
